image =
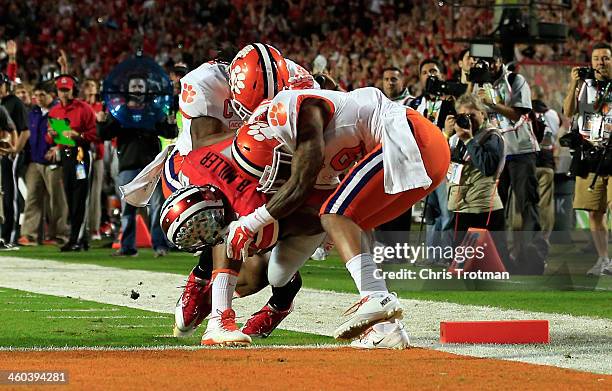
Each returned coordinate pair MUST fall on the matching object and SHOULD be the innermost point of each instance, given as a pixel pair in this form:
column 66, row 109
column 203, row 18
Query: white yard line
column 576, row 342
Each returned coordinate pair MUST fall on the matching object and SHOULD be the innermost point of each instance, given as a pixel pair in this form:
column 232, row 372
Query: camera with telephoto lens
column 481, row 72
column 586, row 73
column 436, row 87
column 463, row 121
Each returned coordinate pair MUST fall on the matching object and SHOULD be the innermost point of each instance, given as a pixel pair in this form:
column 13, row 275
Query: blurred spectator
column 76, row 160
column 508, row 99
column 591, row 100
column 357, row 43
column 12, row 164
column 24, row 92
column 545, row 162
column 477, row 160
column 435, row 107
column 465, row 62
column 393, row 86
column 43, row 177
column 8, row 136
column 137, row 147
column 91, row 97
column 397, row 230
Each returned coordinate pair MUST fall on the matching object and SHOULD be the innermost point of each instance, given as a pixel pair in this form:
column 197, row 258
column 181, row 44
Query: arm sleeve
column 6, row 123
column 521, row 94
column 89, row 132
column 11, row 71
column 166, row 130
column 487, row 156
column 20, row 116
column 108, row 129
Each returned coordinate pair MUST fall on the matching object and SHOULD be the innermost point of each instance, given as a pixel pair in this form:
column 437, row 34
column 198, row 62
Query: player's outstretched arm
column 305, row 166
column 306, row 163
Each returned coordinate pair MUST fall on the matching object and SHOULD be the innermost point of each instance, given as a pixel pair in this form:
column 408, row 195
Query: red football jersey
column 212, row 165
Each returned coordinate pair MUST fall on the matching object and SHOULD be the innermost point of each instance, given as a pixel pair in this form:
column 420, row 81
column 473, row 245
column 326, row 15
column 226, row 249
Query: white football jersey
column 359, row 121
column 351, row 132
column 205, row 92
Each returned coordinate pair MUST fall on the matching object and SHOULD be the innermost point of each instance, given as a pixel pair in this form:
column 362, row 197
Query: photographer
column 508, row 99
column 477, row 159
column 137, row 147
column 434, row 106
column 589, row 95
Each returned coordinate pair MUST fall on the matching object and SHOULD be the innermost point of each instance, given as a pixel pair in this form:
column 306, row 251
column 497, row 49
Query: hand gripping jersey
column 212, row 166
column 359, row 121
column 205, row 92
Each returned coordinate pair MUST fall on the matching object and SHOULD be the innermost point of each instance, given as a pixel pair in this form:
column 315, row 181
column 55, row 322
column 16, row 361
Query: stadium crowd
column 355, row 43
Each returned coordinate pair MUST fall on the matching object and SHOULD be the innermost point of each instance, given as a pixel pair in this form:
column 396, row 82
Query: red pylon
column 489, row 262
column 143, row 237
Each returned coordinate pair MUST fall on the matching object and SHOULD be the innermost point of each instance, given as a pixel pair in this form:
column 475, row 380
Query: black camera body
column 481, row 72
column 586, row 157
column 436, row 87
column 586, row 73
column 463, row 121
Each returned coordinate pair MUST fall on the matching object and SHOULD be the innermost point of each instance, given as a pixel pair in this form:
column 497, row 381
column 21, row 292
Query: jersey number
column 346, row 157
column 227, row 109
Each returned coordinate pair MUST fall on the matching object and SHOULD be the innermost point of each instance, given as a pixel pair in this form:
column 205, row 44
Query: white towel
column 402, row 162
column 139, row 191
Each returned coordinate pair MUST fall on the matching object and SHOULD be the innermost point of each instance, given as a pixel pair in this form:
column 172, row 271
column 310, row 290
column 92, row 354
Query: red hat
column 64, row 83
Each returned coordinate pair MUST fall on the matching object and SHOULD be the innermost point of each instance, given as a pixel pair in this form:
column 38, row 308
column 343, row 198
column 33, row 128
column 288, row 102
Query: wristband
column 257, row 220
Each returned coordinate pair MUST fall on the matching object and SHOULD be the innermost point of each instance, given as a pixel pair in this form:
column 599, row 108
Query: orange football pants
column 361, row 194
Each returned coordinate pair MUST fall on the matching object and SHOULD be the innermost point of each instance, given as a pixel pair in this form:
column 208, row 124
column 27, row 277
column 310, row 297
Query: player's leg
column 222, row 328
column 287, row 257
column 360, row 203
column 194, row 304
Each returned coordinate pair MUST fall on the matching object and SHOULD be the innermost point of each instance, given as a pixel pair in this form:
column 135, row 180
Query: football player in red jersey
column 210, row 166
column 328, row 132
column 207, row 117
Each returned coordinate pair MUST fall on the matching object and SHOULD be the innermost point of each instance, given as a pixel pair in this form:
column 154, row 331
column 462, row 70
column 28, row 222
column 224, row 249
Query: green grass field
column 558, row 292
column 32, row 320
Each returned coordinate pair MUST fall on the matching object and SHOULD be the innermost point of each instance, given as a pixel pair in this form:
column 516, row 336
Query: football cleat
column 371, row 309
column 383, row 335
column 192, row 307
column 607, row 269
column 223, row 331
column 263, row 322
column 598, row 269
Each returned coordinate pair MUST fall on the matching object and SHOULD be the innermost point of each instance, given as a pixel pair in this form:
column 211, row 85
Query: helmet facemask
column 276, row 174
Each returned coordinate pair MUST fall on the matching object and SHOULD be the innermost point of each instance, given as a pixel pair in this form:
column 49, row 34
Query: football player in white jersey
column 326, row 133
column 208, row 118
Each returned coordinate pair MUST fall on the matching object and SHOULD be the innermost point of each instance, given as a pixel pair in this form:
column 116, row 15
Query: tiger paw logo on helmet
column 237, row 78
column 278, row 115
column 260, row 131
column 188, row 93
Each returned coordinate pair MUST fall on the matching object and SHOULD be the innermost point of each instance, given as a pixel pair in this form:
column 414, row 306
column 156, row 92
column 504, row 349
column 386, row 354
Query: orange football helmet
column 258, row 72
column 259, row 154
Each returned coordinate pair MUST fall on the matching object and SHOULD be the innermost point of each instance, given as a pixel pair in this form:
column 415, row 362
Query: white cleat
column 597, row 270
column 383, row 335
column 607, row 269
column 319, row 255
column 223, row 331
column 371, row 309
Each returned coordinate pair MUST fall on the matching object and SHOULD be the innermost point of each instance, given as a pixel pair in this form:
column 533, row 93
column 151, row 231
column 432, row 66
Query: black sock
column 283, row 296
column 205, row 265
